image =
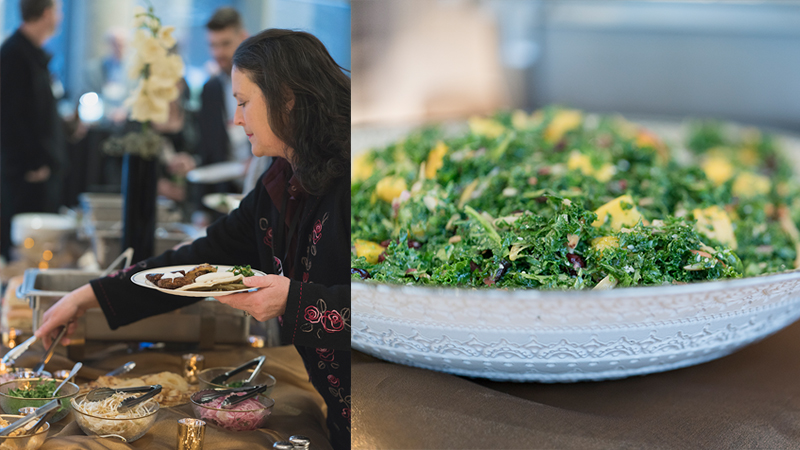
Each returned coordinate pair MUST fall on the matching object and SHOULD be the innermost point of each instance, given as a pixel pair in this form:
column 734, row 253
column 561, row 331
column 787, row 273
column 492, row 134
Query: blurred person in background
column 32, row 142
column 106, row 75
column 220, row 139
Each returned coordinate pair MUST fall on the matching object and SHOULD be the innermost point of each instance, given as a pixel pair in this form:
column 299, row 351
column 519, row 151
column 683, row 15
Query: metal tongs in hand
column 250, row 392
column 49, row 354
column 103, row 393
column 258, row 362
column 40, row 411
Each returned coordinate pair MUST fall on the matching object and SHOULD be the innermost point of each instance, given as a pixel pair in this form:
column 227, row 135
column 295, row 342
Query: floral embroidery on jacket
column 333, row 380
column 263, row 223
column 317, row 231
column 329, row 321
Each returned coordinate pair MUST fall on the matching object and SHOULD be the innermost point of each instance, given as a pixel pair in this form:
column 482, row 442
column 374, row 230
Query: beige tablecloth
column 299, row 409
column 750, row 399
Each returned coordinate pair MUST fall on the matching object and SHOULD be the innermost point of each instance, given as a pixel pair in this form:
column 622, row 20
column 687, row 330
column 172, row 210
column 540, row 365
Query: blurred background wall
column 81, row 35
column 730, row 60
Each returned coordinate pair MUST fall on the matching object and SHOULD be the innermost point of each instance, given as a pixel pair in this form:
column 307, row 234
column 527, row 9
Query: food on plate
column 202, row 278
column 559, row 199
column 174, row 388
column 248, row 415
column 101, row 417
column 174, row 280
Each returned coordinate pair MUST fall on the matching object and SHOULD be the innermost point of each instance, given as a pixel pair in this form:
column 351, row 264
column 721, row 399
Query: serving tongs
column 40, row 411
column 250, row 392
column 103, row 393
column 46, row 358
column 257, row 362
column 10, row 358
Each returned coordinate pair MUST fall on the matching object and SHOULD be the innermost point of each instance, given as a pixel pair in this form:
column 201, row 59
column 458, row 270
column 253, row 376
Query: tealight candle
column 192, row 365
column 191, row 433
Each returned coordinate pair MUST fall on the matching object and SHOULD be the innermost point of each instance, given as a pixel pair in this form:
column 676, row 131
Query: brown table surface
column 750, row 399
column 299, row 409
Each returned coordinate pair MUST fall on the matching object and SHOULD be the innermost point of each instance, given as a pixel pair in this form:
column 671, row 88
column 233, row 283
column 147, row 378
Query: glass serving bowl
column 12, row 404
column 205, row 377
column 245, row 416
column 28, row 442
column 12, row 373
column 129, row 428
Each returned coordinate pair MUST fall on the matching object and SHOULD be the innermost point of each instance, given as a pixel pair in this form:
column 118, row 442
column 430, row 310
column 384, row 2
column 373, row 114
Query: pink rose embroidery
column 333, row 381
column 268, row 237
column 312, row 314
column 305, row 277
column 346, row 413
column 325, row 354
column 317, row 231
column 332, row 322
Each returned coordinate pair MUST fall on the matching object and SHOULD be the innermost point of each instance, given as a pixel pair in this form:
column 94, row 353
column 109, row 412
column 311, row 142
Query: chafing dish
column 207, row 322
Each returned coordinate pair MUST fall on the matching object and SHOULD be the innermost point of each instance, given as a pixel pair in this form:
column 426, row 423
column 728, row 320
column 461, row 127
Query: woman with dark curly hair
column 294, row 105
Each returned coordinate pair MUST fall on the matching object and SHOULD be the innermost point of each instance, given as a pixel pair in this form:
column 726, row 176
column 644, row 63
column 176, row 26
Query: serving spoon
column 72, row 373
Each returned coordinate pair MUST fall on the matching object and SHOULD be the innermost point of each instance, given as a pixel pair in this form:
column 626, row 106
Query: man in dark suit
column 31, row 131
column 218, row 142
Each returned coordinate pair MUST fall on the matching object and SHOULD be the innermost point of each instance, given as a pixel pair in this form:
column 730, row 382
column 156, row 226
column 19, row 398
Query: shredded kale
column 514, row 203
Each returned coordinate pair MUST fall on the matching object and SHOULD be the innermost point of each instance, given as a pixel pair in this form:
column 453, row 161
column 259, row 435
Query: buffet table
column 298, row 407
column 750, row 399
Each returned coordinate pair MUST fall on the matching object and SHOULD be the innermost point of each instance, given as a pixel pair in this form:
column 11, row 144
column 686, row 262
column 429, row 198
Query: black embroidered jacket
column 317, row 316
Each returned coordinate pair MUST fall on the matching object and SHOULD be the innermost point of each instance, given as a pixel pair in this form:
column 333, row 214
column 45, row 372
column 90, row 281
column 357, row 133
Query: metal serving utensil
column 41, row 422
column 46, row 358
column 250, row 391
column 121, row 370
column 103, row 393
column 257, row 362
column 40, row 411
column 15, row 352
column 72, row 373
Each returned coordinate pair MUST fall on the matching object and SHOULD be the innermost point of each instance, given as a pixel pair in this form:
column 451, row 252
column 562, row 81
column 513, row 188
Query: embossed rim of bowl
column 484, row 294
column 45, row 428
column 60, row 397
column 155, row 410
column 200, row 376
column 201, row 405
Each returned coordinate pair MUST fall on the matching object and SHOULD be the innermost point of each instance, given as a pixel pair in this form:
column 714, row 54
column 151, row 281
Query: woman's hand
column 65, row 311
column 264, row 304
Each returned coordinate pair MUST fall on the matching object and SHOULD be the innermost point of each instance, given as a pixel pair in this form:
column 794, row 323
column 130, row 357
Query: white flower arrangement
column 158, row 71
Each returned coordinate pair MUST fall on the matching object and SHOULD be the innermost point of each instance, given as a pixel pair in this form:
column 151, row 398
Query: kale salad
column 559, row 199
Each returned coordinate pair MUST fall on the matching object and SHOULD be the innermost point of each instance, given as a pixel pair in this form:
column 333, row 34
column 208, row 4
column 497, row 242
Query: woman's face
column 251, row 114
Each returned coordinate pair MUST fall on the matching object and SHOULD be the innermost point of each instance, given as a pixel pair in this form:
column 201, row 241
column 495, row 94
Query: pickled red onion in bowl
column 248, row 415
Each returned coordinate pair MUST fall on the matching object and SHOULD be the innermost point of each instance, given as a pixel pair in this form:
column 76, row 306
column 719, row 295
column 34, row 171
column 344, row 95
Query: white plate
column 217, row 173
column 140, row 279
column 222, row 202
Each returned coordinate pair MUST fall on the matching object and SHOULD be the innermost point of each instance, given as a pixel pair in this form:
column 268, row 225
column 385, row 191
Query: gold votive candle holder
column 256, row 341
column 193, row 363
column 191, row 433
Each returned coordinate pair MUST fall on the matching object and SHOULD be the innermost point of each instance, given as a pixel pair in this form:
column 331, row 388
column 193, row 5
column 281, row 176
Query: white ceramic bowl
column 569, row 336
